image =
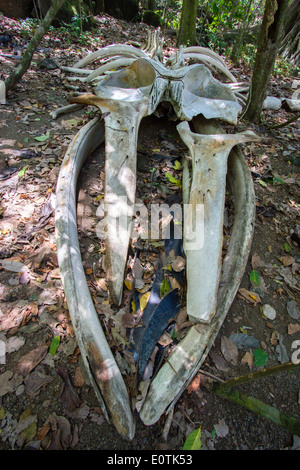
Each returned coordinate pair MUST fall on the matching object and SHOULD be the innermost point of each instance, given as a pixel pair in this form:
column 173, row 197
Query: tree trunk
column 269, row 40
column 45, row 24
column 151, row 5
column 187, row 30
column 99, row 6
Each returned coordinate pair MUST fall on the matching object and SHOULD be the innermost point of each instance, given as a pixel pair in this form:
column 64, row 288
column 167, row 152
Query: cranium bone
column 125, row 98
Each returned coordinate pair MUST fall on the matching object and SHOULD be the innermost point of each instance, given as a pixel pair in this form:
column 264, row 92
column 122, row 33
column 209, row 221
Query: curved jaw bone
column 203, row 230
column 98, row 359
column 123, row 105
column 188, row 356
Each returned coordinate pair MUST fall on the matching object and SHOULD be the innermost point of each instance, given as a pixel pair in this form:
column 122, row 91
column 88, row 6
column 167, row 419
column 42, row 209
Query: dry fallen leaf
column 253, row 297
column 255, row 261
column 247, row 359
column 178, row 264
column 221, row 428
column 229, row 350
column 144, row 300
column 293, row 328
column 219, row 362
column 30, row 360
column 287, row 260
column 274, row 338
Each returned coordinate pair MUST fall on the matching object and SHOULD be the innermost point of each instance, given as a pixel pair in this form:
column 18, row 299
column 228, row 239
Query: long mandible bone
column 207, row 192
column 98, row 359
column 121, row 133
column 124, row 100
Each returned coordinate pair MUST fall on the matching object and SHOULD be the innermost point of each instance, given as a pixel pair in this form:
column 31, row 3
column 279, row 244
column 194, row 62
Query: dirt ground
column 49, row 403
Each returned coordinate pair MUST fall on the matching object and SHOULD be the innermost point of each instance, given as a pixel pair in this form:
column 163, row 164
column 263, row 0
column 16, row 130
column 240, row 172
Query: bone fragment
column 65, row 109
column 212, row 61
column 209, row 168
column 109, row 66
column 204, row 51
column 120, row 49
column 76, row 70
column 198, row 92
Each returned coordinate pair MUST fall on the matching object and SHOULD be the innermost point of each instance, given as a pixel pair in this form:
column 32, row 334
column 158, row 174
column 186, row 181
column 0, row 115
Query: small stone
column 20, row 389
column 271, row 102
column 48, row 64
column 269, row 312
column 293, row 309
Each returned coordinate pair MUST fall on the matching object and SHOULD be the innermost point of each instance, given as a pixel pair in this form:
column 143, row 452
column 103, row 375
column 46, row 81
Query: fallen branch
column 225, row 390
column 283, row 124
column 259, row 374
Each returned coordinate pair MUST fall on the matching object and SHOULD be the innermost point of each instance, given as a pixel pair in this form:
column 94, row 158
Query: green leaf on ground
column 164, row 288
column 193, row 441
column 254, row 278
column 173, row 180
column 42, row 138
column 54, row 345
column 22, row 172
column 260, row 357
column 177, row 165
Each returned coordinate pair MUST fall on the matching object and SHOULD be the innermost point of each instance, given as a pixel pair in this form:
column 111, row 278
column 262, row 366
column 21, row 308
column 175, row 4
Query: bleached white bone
column 204, row 51
column 98, row 359
column 212, row 61
column 65, row 109
column 120, row 49
column 185, row 361
column 209, row 168
column 123, row 98
column 114, row 64
column 76, row 70
column 198, row 92
column 121, row 133
column 75, row 79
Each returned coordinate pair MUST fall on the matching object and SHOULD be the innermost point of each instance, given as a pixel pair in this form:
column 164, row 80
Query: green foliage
column 283, row 67
column 54, row 345
column 217, row 16
column 193, row 441
column 260, row 357
column 254, row 278
column 28, row 27
column 164, row 288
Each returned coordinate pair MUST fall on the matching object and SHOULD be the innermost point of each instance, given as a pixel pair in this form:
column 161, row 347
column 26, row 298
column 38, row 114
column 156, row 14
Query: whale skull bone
column 124, row 99
column 207, row 193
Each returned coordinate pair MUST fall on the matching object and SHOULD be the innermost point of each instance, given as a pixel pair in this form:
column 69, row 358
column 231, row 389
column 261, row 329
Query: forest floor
column 46, row 400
